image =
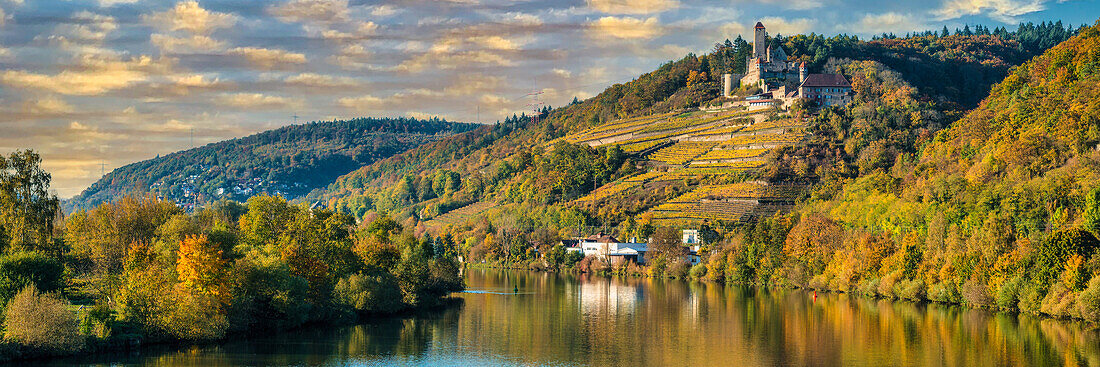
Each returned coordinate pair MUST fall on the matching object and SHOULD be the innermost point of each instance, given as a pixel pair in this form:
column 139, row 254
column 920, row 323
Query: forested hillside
column 289, row 161
column 912, row 88
column 1001, row 209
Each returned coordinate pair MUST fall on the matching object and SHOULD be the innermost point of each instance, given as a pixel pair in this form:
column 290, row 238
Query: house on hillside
column 826, row 89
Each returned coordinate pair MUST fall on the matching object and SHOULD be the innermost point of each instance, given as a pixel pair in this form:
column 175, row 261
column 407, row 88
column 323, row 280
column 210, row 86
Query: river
column 523, row 318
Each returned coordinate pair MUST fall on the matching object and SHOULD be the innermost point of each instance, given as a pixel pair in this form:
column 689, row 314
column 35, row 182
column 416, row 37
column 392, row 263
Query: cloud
column 885, row 23
column 189, row 16
column 463, row 47
column 796, row 4
column 269, row 58
column 777, row 25
column 625, row 28
column 1004, row 11
column 315, row 11
column 256, row 100
column 633, row 6
column 361, row 103
column 351, row 57
column 561, row 72
column 193, row 44
column 92, row 76
column 318, row 80
column 110, row 3
column 383, row 10
column 3, row 17
column 87, row 26
column 46, row 106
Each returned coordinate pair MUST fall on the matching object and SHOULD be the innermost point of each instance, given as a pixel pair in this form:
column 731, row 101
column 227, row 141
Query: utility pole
column 296, row 118
column 192, row 137
column 102, row 172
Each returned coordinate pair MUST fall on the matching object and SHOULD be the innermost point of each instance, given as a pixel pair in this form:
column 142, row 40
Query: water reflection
column 521, row 318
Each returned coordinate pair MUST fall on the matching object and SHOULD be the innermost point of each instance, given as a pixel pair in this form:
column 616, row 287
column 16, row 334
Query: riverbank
column 585, row 319
column 13, row 353
column 893, row 290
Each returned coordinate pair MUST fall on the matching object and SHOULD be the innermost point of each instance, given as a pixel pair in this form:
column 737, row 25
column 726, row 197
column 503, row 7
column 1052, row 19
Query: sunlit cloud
column 188, row 44
column 47, row 106
column 626, row 28
column 1005, row 11
column 92, row 76
column 321, row 11
column 256, row 100
column 318, row 80
column 633, row 6
column 189, row 16
column 266, row 58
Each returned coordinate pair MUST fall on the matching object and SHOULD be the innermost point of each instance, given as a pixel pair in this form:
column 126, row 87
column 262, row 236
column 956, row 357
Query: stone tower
column 802, row 73
column 759, row 44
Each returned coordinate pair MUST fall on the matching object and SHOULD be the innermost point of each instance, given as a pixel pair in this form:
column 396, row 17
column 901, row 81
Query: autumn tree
column 200, row 267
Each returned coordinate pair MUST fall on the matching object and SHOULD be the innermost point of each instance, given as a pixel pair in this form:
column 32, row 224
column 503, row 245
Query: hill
column 1000, row 209
column 289, row 161
column 558, row 173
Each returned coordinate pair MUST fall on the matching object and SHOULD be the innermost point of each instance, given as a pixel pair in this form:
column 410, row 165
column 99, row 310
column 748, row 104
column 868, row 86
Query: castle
column 780, row 80
column 766, row 64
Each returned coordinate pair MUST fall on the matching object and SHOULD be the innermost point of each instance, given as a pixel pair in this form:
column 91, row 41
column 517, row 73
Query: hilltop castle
column 780, row 80
column 767, row 63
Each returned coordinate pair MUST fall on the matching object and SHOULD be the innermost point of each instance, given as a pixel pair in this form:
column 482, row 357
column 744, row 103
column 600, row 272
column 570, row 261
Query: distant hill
column 289, row 161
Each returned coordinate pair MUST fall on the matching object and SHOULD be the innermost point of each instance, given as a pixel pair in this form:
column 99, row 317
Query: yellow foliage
column 200, row 267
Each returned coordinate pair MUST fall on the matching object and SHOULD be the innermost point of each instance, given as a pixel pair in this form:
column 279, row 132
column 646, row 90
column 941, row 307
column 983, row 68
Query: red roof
column 759, row 25
column 602, row 238
column 826, row 80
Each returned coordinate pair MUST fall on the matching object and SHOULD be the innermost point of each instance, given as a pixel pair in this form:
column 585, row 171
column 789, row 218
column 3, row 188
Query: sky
column 93, row 85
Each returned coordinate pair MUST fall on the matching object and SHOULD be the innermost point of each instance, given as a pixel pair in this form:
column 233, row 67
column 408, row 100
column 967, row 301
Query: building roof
column 826, row 80
column 570, row 243
column 602, row 238
column 759, row 25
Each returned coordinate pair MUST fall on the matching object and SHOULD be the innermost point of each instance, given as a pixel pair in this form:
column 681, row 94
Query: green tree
column 27, row 209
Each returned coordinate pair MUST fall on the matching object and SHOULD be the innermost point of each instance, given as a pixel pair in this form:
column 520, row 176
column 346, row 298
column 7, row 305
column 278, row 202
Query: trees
column 19, row 270
column 27, row 209
column 665, row 248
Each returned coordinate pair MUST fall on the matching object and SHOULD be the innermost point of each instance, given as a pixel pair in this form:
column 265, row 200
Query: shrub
column 1058, row 301
column 17, row 270
column 42, row 320
column 910, row 289
column 974, row 293
column 372, row 292
column 678, row 269
column 194, row 316
column 699, row 271
column 1008, row 296
column 1088, row 301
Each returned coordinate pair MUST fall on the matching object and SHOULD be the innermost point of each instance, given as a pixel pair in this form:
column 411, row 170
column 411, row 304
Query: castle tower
column 802, row 73
column 759, row 47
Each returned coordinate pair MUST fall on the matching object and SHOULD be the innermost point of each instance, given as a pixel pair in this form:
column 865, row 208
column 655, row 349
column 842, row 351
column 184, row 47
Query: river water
column 518, row 318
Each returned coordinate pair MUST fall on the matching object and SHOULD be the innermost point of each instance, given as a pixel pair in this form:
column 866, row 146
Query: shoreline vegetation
column 1083, row 305
column 140, row 270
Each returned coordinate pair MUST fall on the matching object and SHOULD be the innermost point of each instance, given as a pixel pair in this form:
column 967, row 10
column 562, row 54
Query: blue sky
column 118, row 81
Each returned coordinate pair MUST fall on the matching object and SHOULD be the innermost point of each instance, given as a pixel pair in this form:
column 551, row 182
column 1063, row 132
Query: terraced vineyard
column 719, row 154
column 743, row 202
column 461, row 215
column 699, row 147
column 682, row 152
